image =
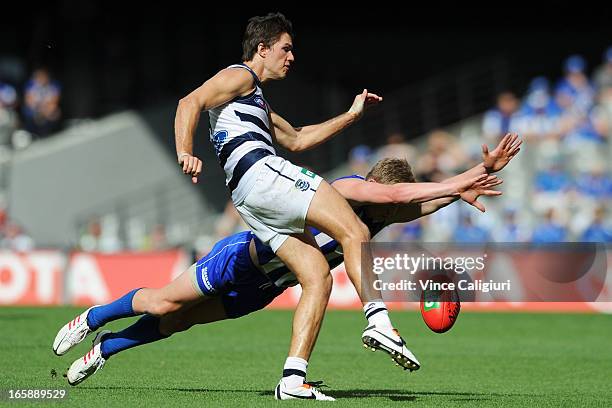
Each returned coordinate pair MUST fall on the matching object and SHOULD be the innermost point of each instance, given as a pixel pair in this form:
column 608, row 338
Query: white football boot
column 87, row 365
column 389, row 341
column 307, row 390
column 71, row 334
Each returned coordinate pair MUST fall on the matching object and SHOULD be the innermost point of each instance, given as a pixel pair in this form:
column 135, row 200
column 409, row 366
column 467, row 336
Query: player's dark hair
column 266, row 30
column 391, row 171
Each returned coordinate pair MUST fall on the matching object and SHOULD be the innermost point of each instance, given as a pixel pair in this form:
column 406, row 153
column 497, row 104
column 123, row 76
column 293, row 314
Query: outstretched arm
column 413, row 211
column 297, row 139
column 223, row 87
column 507, row 148
column 493, row 161
column 365, row 192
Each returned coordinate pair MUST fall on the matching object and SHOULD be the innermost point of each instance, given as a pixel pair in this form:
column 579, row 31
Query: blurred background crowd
column 29, row 112
column 559, row 187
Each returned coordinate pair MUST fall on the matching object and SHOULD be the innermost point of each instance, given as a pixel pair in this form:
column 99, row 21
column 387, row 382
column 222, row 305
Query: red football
column 440, row 309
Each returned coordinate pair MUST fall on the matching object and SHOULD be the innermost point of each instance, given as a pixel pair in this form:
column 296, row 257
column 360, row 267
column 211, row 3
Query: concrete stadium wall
column 56, row 181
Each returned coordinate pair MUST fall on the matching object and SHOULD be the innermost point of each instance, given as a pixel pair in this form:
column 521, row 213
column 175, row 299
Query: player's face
column 280, row 57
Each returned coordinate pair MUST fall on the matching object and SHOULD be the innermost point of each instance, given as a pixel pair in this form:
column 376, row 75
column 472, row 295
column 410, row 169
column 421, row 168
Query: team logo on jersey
column 302, row 185
column 260, row 101
column 308, row 173
column 217, row 140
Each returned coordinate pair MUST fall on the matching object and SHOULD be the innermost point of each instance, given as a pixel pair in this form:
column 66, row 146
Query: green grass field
column 485, row 360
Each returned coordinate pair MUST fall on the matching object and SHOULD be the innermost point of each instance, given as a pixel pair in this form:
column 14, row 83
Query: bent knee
column 319, row 283
column 356, row 232
column 317, row 278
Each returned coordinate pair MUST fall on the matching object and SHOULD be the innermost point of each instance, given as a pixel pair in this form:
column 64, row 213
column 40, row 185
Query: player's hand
column 482, row 187
column 507, row 148
column 461, row 186
column 191, row 165
column 362, row 102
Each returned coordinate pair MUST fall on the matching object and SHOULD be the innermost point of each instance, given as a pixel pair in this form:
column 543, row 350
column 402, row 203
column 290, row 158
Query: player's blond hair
column 391, row 171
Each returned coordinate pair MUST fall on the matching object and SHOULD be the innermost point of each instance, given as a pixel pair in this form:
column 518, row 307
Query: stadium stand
column 561, row 175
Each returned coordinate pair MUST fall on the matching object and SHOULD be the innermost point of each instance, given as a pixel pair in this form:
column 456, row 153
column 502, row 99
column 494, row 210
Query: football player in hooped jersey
column 241, row 275
column 275, row 198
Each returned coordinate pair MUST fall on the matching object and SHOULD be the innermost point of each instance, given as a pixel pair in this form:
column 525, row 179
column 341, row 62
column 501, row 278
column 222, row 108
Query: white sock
column 294, row 372
column 377, row 314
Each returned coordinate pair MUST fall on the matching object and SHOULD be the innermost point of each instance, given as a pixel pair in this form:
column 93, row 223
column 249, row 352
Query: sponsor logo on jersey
column 308, row 173
column 205, row 279
column 302, row 185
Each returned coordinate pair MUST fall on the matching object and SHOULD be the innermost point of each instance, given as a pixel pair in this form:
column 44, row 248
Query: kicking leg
column 331, row 213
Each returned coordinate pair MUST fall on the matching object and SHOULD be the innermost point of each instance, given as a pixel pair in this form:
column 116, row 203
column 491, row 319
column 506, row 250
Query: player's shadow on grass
column 405, row 395
column 393, row 395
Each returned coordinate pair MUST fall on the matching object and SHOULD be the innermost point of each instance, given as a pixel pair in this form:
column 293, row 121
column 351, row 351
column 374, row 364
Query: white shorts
column 278, row 202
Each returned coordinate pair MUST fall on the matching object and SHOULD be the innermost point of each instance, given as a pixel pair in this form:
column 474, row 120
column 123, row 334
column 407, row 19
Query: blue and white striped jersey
column 281, row 276
column 240, row 133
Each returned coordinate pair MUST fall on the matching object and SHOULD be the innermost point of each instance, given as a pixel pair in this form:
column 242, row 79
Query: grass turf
column 487, row 359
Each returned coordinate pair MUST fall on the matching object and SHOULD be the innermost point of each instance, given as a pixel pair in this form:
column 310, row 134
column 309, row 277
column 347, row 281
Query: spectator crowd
column 29, row 112
column 558, row 189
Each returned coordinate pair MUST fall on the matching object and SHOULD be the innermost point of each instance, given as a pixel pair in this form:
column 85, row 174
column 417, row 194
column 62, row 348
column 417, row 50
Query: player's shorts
column 277, row 204
column 227, row 271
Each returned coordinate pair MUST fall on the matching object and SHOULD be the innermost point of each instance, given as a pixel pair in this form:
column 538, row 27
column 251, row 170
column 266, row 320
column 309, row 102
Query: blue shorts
column 228, row 271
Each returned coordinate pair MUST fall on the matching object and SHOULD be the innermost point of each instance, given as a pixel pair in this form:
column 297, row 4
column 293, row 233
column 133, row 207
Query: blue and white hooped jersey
column 281, row 276
column 240, row 133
